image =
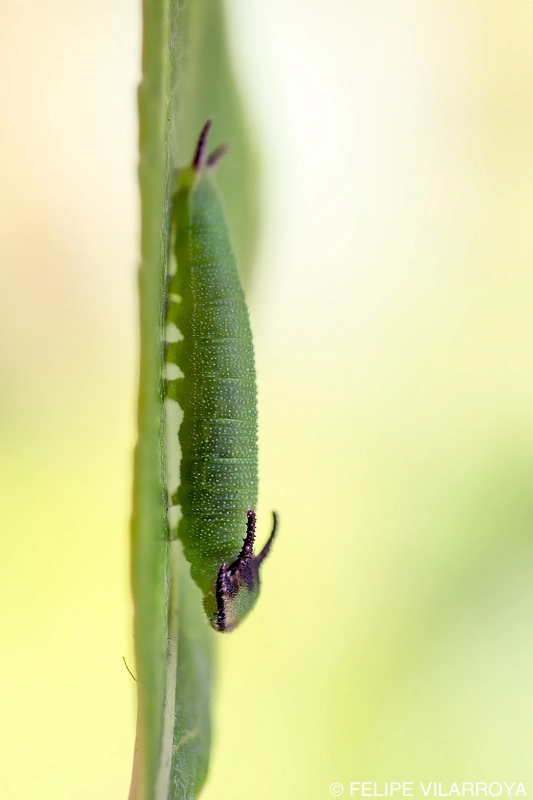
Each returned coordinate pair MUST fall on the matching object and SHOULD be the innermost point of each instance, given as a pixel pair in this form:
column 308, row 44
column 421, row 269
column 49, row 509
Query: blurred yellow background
column 393, row 311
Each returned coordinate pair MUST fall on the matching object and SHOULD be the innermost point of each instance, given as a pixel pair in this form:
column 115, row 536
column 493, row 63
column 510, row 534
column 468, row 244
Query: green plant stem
column 186, row 78
column 149, row 526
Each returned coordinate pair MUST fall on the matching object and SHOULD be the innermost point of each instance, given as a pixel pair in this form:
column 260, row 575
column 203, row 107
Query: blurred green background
column 393, row 313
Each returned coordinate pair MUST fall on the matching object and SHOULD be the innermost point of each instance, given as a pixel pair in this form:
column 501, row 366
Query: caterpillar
column 217, row 394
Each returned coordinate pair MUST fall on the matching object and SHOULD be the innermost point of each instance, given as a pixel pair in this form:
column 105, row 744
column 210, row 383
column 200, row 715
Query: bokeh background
column 393, row 311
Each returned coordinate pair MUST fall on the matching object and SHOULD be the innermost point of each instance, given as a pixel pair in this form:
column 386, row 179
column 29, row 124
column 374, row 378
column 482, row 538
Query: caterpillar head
column 237, row 585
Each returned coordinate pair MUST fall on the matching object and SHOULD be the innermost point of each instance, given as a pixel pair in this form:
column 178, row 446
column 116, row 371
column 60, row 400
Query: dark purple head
column 237, row 585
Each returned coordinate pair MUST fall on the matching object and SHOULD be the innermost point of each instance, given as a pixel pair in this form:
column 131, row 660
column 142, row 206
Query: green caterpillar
column 218, row 434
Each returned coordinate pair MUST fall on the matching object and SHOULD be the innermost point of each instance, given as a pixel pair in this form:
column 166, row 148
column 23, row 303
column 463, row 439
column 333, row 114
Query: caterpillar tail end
column 201, row 160
column 237, row 586
column 200, row 155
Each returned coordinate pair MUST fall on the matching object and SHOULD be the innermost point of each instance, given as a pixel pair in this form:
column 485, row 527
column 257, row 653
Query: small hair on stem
column 129, row 670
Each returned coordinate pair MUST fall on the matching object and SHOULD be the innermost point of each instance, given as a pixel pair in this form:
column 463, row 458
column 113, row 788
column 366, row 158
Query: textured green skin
column 218, row 435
